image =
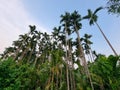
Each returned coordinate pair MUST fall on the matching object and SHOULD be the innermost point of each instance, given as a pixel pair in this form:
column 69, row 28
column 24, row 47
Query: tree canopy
column 113, row 6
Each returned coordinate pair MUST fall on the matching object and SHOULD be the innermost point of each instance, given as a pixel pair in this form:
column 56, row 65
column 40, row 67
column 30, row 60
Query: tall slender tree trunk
column 35, row 61
column 92, row 54
column 30, row 55
column 106, row 39
column 67, row 67
column 72, row 75
column 23, row 53
column 61, row 75
column 57, row 81
column 72, row 83
column 82, row 56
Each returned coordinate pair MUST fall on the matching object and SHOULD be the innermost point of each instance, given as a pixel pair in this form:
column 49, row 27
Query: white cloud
column 14, row 20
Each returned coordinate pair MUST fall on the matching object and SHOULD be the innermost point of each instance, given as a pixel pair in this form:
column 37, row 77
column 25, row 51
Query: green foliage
column 92, row 17
column 23, row 76
column 14, row 76
column 40, row 61
column 6, row 77
column 113, row 6
column 105, row 73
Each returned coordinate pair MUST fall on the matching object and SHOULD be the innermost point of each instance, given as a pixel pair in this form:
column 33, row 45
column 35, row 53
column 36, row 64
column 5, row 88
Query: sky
column 17, row 15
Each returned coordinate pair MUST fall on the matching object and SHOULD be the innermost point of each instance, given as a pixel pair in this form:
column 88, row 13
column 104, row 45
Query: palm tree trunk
column 23, row 53
column 72, row 75
column 61, row 76
column 82, row 56
column 35, row 61
column 106, row 39
column 67, row 71
column 92, row 54
column 57, row 81
column 30, row 55
column 71, row 84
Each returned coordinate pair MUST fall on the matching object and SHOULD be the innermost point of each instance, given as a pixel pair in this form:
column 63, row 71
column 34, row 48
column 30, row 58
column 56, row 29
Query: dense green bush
column 16, row 76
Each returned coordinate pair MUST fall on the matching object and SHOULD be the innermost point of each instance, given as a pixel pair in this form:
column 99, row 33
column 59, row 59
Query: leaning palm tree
column 92, row 17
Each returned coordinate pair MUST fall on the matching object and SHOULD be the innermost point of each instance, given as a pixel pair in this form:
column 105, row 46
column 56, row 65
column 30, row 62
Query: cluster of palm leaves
column 60, row 57
column 113, row 6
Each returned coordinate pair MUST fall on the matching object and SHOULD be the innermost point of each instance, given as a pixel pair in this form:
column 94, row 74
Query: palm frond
column 91, row 22
column 86, row 17
column 89, row 15
column 98, row 9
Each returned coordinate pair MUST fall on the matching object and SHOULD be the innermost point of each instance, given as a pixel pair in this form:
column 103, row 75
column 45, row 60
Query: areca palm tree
column 66, row 24
column 28, row 44
column 86, row 46
column 32, row 48
column 76, row 18
column 23, row 39
column 92, row 17
column 38, row 47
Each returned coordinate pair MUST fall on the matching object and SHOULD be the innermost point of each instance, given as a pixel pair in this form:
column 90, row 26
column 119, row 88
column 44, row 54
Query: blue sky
column 16, row 15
